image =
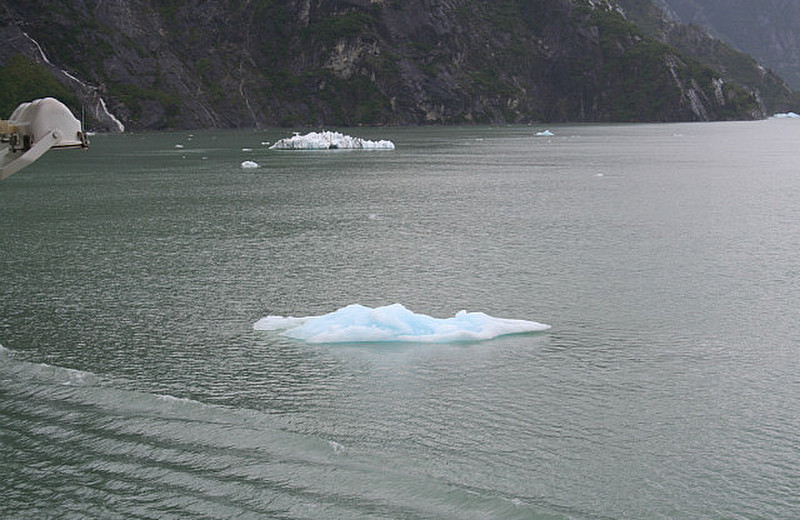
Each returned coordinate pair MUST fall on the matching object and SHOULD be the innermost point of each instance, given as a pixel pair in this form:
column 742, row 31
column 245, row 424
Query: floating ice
column 358, row 323
column 249, row 164
column 786, row 115
column 329, row 141
column 545, row 133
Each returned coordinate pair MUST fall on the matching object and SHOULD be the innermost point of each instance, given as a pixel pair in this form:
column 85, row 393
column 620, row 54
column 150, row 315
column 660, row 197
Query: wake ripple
column 75, row 443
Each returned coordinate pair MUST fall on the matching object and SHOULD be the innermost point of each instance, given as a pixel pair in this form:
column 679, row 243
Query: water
column 664, row 256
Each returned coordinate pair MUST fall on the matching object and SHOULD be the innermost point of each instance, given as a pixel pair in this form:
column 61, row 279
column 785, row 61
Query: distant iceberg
column 249, row 164
column 394, row 323
column 329, row 141
column 786, row 115
column 545, row 133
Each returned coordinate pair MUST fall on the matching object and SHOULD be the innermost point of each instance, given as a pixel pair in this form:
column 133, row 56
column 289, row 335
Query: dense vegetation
column 23, row 80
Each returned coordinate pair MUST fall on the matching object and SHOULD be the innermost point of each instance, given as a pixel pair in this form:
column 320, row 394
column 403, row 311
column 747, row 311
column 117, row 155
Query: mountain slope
column 769, row 30
column 246, row 63
column 694, row 40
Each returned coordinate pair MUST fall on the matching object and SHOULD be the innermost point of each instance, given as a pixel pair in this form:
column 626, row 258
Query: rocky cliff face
column 660, row 22
column 769, row 30
column 144, row 64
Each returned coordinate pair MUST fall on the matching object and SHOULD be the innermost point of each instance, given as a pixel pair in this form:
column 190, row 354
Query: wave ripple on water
column 104, row 451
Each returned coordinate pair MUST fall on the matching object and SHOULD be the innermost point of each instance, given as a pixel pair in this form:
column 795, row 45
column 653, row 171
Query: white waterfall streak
column 116, row 121
column 41, row 51
column 101, row 101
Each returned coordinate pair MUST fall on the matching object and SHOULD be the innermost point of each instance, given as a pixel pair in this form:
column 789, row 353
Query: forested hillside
column 142, row 64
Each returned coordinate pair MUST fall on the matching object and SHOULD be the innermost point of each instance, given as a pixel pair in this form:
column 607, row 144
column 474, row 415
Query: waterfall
column 100, row 101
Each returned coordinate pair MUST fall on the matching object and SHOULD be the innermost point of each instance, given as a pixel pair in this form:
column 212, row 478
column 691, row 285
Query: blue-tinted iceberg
column 786, row 115
column 394, row 323
column 545, row 133
column 329, row 141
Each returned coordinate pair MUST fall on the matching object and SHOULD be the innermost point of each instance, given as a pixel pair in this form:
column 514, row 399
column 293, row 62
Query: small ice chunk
column 786, row 115
column 249, row 164
column 178, row 146
column 394, row 323
column 338, row 449
column 329, row 141
column 545, row 133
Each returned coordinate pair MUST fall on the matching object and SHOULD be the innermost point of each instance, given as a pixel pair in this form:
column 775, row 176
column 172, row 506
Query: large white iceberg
column 329, row 141
column 394, row 323
column 786, row 115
